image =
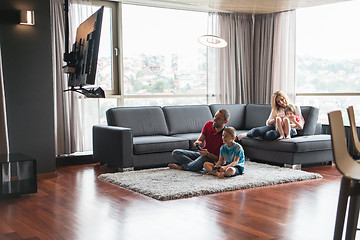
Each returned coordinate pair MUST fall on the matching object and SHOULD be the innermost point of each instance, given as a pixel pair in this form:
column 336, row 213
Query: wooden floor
column 75, row 205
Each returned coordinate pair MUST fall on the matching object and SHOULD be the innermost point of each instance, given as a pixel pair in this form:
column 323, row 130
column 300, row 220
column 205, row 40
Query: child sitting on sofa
column 287, row 124
column 279, row 101
column 231, row 159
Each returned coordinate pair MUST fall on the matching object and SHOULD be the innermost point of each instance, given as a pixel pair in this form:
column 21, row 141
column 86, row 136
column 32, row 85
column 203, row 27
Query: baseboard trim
column 74, row 159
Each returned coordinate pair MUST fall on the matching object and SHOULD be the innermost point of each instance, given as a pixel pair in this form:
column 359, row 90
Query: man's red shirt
column 213, row 140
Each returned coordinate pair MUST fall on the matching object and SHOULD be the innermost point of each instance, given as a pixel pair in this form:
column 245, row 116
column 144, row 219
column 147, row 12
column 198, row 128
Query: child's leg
column 279, row 127
column 220, row 174
column 233, row 171
column 230, row 172
column 287, row 128
column 208, row 167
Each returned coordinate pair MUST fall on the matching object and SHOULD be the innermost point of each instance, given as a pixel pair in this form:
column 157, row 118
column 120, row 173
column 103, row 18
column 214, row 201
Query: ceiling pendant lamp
column 212, row 41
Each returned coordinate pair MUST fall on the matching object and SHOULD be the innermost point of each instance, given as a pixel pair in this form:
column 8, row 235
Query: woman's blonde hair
column 274, row 106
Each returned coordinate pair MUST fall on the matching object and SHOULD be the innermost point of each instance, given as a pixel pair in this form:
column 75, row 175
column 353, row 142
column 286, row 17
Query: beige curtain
column 283, row 68
column 259, row 59
column 62, row 104
column 231, row 67
column 4, row 142
column 69, row 109
column 263, row 57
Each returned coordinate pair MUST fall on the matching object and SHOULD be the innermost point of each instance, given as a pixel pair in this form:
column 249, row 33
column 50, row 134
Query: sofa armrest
column 310, row 115
column 113, row 146
column 318, row 129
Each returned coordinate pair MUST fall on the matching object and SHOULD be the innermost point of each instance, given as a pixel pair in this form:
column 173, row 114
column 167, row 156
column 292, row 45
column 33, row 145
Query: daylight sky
column 330, row 31
column 160, row 31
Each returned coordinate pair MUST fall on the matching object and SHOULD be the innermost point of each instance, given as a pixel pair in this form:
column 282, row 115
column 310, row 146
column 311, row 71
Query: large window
column 328, row 58
column 147, row 56
column 163, row 62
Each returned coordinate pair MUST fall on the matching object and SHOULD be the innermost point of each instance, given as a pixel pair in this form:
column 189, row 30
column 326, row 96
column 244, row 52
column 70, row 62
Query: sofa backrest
column 237, row 114
column 310, row 115
column 143, row 121
column 256, row 115
column 186, row 119
column 154, row 120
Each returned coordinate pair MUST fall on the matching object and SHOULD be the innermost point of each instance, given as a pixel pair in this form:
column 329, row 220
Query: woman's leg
column 241, row 136
column 271, row 135
column 259, row 131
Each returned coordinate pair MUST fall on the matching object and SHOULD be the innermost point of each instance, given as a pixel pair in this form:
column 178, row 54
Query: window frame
column 114, row 41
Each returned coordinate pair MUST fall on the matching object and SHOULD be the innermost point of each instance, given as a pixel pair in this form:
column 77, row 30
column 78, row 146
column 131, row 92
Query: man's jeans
column 189, row 160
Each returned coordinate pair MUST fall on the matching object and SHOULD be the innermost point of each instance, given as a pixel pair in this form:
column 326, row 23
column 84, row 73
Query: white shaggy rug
column 166, row 184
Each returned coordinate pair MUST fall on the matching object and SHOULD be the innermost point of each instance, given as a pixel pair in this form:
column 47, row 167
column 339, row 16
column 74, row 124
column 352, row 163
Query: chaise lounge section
column 309, row 146
column 144, row 137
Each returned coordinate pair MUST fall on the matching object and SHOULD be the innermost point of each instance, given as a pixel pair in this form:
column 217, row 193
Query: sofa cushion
column 191, row 137
column 310, row 115
column 237, row 114
column 187, row 119
column 143, row 121
column 295, row 144
column 256, row 115
column 154, row 144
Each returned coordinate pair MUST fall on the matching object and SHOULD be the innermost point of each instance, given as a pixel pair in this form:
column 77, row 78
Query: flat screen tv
column 82, row 61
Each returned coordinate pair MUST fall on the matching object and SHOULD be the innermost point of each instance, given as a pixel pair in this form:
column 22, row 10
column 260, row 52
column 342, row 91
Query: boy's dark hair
column 231, row 131
column 290, row 108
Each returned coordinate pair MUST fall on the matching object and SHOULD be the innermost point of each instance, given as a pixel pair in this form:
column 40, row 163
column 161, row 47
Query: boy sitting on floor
column 231, row 159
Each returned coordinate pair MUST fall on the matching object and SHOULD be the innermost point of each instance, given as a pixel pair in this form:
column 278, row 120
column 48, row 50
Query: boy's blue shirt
column 229, row 154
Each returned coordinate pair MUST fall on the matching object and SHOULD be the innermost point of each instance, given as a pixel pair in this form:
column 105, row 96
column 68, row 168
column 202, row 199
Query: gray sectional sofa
column 144, row 137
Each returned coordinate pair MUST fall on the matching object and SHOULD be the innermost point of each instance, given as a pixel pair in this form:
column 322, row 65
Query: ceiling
column 242, row 6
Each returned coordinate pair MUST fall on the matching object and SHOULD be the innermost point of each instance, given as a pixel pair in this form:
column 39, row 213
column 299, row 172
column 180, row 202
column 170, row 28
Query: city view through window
column 328, row 58
column 161, row 56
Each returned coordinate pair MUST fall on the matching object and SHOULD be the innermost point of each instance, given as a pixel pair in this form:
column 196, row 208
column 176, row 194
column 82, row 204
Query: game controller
column 198, row 147
column 216, row 168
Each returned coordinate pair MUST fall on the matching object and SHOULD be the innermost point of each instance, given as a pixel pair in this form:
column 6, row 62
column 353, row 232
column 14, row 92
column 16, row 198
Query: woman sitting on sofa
column 279, row 101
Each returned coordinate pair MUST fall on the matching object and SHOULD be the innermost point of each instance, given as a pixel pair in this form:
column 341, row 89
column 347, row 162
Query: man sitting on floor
column 211, row 137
